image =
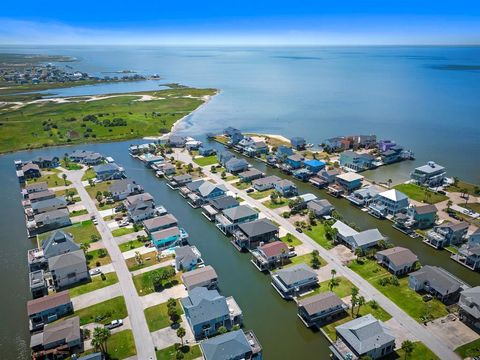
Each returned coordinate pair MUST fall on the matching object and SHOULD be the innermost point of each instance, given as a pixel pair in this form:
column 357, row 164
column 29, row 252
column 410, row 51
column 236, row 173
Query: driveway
column 452, row 333
column 156, row 298
column 94, row 297
column 166, row 337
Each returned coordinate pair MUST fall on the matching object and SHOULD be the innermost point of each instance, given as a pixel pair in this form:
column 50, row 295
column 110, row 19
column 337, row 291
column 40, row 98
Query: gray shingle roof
column 52, row 215
column 67, row 259
column 56, row 201
column 231, row 345
column 367, row 237
column 185, row 255
column 438, row 279
column 320, row 302
column 67, row 330
column 266, row 180
column 239, row 212
column 224, row 202
column 258, row 227
column 199, row 276
column 204, row 305
column 160, row 221
column 399, row 255
column 296, row 273
column 58, row 243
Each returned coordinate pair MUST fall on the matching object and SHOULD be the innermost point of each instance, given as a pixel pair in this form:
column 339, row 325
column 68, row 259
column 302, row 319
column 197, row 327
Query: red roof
column 274, row 248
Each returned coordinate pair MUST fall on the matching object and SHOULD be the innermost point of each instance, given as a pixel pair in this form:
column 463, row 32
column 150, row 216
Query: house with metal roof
column 201, row 277
column 390, row 202
column 250, row 235
column 187, row 258
column 314, row 165
column 295, row 280
column 298, row 142
column 229, row 219
column 320, row 308
column 270, row 255
column 234, row 345
column 356, row 161
column 398, row 260
column 430, row 175
column 469, row 304
column 349, row 181
column 47, row 309
column 364, row 336
column 422, row 216
column 41, row 195
column 447, row 234
column 205, row 192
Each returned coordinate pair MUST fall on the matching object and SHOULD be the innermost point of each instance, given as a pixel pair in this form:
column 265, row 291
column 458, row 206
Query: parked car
column 292, row 254
column 114, row 324
column 427, row 298
column 299, row 230
column 95, row 271
column 248, row 191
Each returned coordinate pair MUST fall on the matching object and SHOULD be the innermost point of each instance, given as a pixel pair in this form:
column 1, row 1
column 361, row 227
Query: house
column 343, row 231
column 468, row 255
column 390, row 202
column 177, row 141
column 354, row 239
column 93, row 158
column 46, row 205
column 283, row 152
column 159, row 223
column 50, row 220
column 140, row 207
column 363, row 197
column 152, row 161
column 271, row 255
column 385, row 145
column 349, row 181
column 469, row 304
column 167, row 169
column 206, row 191
column 48, row 309
column 365, row 141
column 398, row 260
column 36, row 187
column 224, row 156
column 41, row 195
column 362, row 337
column 68, row 269
column 251, row 234
column 356, row 161
column 286, row 188
column 320, row 207
column 298, row 143
column 302, row 174
column 30, row 171
column 321, row 308
column 265, row 183
column 423, row 216
column 202, row 277
column 180, row 180
column 436, row 281
column 38, row 284
column 234, row 345
column 394, row 154
column 63, row 336
column 250, row 175
column 324, row 177
column 206, row 311
column 187, row 258
column 246, row 142
column 447, row 234
column 230, row 218
column 336, row 143
column 294, row 280
column 218, row 204
column 230, row 131
column 301, row 202
column 190, row 187
column 193, row 144
column 235, row 139
column 203, row 151
column 46, row 161
column 430, row 175
column 294, row 161
column 121, row 189
column 236, row 166
column 314, row 165
column 109, row 171
column 169, row 237
column 256, row 148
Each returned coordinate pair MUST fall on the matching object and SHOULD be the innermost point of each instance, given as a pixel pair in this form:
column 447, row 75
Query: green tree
column 222, row 330
column 85, row 246
column 360, row 301
column 408, row 347
column 449, row 204
column 100, row 339
column 64, row 177
column 94, row 238
column 354, row 298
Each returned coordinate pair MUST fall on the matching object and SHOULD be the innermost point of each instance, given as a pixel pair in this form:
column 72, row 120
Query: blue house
column 170, row 237
column 206, row 151
column 48, row 309
column 349, row 181
column 223, row 157
column 235, row 165
column 110, row 171
column 298, row 143
column 314, row 165
column 355, row 161
column 283, row 152
column 303, row 174
column 235, row 138
column 295, row 161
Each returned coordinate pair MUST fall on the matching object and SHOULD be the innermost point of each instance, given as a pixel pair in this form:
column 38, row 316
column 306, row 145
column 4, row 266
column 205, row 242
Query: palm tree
column 408, row 347
column 181, row 333
column 354, row 298
column 64, row 177
column 100, row 338
column 360, row 302
column 333, row 272
column 85, row 246
column 449, row 203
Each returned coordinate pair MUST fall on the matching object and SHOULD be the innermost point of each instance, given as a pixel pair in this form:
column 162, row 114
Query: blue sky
column 241, row 22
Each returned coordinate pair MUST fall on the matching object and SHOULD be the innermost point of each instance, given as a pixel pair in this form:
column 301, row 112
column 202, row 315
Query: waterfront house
column 177, row 141
column 298, row 143
column 217, row 205
column 38, row 284
column 474, row 238
column 46, row 205
column 206, row 311
column 302, row 174
column 235, row 139
column 230, row 218
column 265, row 183
column 321, row 308
column 336, row 144
column 187, row 258
column 314, row 165
column 206, row 191
column 159, row 223
column 447, row 234
column 140, row 149
column 390, row 202
column 385, row 145
column 173, row 236
column 324, row 177
column 36, row 187
column 436, row 281
column 294, row 161
column 356, row 161
column 363, row 197
column 365, row 141
column 86, row 157
column 394, row 154
column 320, row 207
column 286, row 188
column 349, row 181
column 256, row 148
column 343, row 231
column 234, row 345
column 167, row 169
column 46, row 162
column 68, row 269
column 250, row 175
column 235, row 165
column 246, row 142
column 48, row 309
column 363, row 336
column 271, row 255
column 49, row 220
column 283, row 152
column 61, row 337
column 468, row 255
column 30, row 171
column 202, row 277
column 180, row 180
column 140, row 207
column 398, row 260
column 469, row 304
column 121, row 189
column 364, row 240
column 430, row 175
column 192, row 144
column 422, row 216
column 109, row 171
column 204, row 151
column 190, row 187
column 295, row 280
column 41, row 195
column 224, row 156
column 230, row 131
column 152, row 161
column 251, row 234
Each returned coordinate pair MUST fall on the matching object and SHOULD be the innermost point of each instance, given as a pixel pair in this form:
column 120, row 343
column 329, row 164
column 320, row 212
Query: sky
column 232, row 22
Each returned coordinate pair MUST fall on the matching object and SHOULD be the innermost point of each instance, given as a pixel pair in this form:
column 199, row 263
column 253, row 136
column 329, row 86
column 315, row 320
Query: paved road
column 418, row 331
column 96, row 296
column 143, row 339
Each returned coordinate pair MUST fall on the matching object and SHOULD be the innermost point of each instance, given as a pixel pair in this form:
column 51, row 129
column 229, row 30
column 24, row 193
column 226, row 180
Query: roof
column 49, row 215
column 194, row 185
column 367, row 237
column 186, row 254
column 258, row 227
column 365, row 334
column 319, row 204
column 56, row 201
column 284, row 183
column 249, row 173
column 394, row 195
column 236, row 162
column 470, row 301
column 162, row 234
column 160, row 221
column 59, row 242
column 121, row 185
column 68, row 330
column 425, row 209
column 47, row 302
column 455, row 227
column 274, row 248
column 350, row 176
column 320, row 302
column 224, row 202
column 314, row 163
column 231, row 345
column 204, row 305
column 106, row 168
column 199, row 276
column 438, row 278
column 266, row 180
column 208, row 187
column 67, row 260
column 182, row 177
column 296, row 273
column 429, row 168
column 343, row 229
column 132, row 199
column 40, row 194
column 30, row 166
column 239, row 212
column 295, row 157
column 399, row 255
column 37, row 185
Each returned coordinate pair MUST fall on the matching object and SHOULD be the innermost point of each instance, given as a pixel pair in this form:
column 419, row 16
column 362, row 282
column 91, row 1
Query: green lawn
column 157, row 316
column 242, row 185
column 291, row 240
column 94, row 259
column 317, row 233
column 278, row 204
column 70, row 165
column 101, row 186
column 144, row 282
column 464, row 185
column 407, row 299
column 122, row 231
column 52, row 180
column 305, row 259
column 78, row 212
column 261, row 194
column 189, row 353
column 420, row 194
column 149, row 259
column 344, row 287
column 96, row 283
column 103, row 312
column 205, row 161
column 121, row 345
column 469, row 350
column 130, row 245
column 89, row 174
column 471, row 206
column 81, row 231
column 420, row 352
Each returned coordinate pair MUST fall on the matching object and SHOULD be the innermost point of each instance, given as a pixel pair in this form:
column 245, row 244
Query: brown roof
column 425, row 209
column 40, row 194
column 159, row 221
column 199, row 276
column 30, row 166
column 399, row 255
column 67, row 330
column 274, row 248
column 47, row 302
column 321, row 302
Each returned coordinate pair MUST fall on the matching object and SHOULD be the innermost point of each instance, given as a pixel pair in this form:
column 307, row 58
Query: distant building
column 298, row 143
column 430, row 175
column 469, row 304
column 356, row 161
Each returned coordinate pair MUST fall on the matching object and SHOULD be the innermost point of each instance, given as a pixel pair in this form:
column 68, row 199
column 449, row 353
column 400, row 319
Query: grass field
column 122, row 231
column 81, row 231
column 189, row 353
column 103, row 312
column 94, row 259
column 420, row 352
column 121, row 345
column 149, row 259
column 278, row 204
column 465, row 185
column 130, row 245
column 420, row 194
column 157, row 316
column 53, row 180
column 305, row 259
column 89, row 174
column 96, row 283
column 78, row 212
column 261, row 194
column 291, row 240
column 318, row 235
column 205, row 161
column 240, row 185
column 144, row 282
column 469, row 350
column 47, row 123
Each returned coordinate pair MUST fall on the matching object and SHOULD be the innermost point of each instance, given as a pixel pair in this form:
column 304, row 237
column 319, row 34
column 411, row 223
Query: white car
column 114, row 324
column 95, row 271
